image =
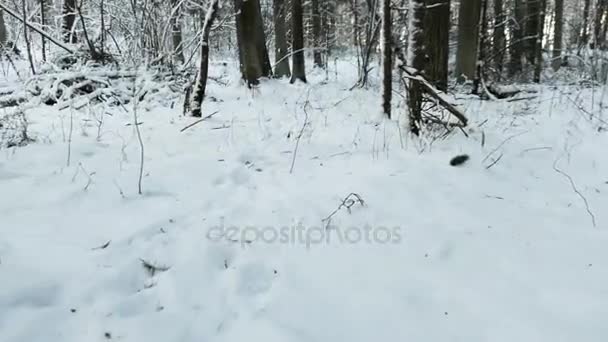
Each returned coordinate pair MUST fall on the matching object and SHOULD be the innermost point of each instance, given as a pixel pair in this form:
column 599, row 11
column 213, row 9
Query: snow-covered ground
column 482, row 252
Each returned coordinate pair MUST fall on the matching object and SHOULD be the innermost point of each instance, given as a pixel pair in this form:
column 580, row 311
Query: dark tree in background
column 516, row 46
column 176, row 31
column 281, row 68
column 387, row 60
column 437, row 34
column 468, row 35
column 3, row 32
column 253, row 55
column 297, row 42
column 558, row 27
column 316, row 34
column 69, row 19
column 498, row 37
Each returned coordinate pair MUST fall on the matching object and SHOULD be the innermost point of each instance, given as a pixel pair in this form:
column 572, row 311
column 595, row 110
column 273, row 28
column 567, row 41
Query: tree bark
column 538, row 58
column 584, row 37
column 387, row 60
column 176, row 31
column 437, row 34
column 599, row 36
column 416, row 58
column 516, row 48
column 468, row 36
column 498, row 36
column 316, row 33
column 532, row 30
column 297, row 44
column 3, row 32
column 69, row 19
column 251, row 40
column 558, row 27
column 281, row 68
column 201, row 78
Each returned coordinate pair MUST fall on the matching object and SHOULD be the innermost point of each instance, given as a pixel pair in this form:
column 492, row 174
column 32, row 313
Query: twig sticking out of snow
column 295, row 150
column 348, row 202
column 575, row 189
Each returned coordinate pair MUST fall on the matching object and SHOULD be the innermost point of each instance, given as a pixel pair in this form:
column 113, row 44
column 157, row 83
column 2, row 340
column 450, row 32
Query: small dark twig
column 199, row 121
column 575, row 189
column 348, row 202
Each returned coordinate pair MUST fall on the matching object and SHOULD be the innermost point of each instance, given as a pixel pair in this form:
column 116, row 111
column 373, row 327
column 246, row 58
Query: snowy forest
column 303, row 170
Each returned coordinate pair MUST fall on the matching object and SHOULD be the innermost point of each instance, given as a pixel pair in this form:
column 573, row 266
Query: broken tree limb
column 199, row 121
column 437, row 95
column 42, row 33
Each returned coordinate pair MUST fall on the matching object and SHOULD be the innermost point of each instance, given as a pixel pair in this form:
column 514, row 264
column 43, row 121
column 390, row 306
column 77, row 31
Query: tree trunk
column 437, row 34
column 516, row 47
column 43, row 24
column 316, row 34
column 3, row 32
column 498, row 37
column 468, row 36
column 281, row 68
column 297, row 44
column 416, row 59
column 481, row 48
column 27, row 39
column 542, row 5
column 558, row 27
column 176, row 31
column 69, row 19
column 584, row 35
column 532, row 30
column 201, row 78
column 599, row 37
column 251, row 40
column 387, row 60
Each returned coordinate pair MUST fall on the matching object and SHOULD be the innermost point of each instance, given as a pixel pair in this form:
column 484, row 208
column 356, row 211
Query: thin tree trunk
column 201, row 78
column 416, row 58
column 176, row 32
column 584, row 37
column 281, row 68
column 468, row 36
column 43, row 23
column 481, row 48
column 437, row 33
column 297, row 44
column 516, row 49
column 3, row 32
column 387, row 60
column 27, row 39
column 498, row 37
column 601, row 10
column 69, row 19
column 558, row 28
column 316, row 33
column 532, row 30
column 542, row 5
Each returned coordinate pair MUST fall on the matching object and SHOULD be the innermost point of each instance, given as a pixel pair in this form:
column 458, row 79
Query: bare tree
column 516, row 46
column 416, row 59
column 253, row 54
column 538, row 58
column 437, row 33
column 558, row 27
column 297, row 44
column 316, row 33
column 69, row 19
column 498, row 37
column 281, row 68
column 468, row 35
column 176, row 30
column 387, row 60
column 201, row 78
column 3, row 32
column 27, row 38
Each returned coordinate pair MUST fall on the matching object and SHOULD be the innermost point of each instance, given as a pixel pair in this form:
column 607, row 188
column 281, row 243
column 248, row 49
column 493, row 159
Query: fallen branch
column 42, row 33
column 437, row 95
column 575, row 189
column 199, row 121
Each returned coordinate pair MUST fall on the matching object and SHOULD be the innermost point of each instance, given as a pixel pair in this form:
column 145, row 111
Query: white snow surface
column 505, row 253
